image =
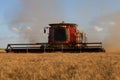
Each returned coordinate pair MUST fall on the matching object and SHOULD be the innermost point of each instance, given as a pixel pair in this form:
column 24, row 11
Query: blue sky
column 82, row 12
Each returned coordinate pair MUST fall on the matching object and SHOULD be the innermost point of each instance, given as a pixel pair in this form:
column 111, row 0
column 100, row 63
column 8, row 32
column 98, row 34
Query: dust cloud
column 107, row 29
column 32, row 19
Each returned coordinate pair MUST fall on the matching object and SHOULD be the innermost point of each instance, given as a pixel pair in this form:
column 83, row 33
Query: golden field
column 60, row 66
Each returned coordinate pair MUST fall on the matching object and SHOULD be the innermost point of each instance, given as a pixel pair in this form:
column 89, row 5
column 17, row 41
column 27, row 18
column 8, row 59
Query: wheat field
column 60, row 66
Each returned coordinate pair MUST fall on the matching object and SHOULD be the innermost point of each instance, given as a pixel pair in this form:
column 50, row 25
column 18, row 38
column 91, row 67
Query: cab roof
column 64, row 24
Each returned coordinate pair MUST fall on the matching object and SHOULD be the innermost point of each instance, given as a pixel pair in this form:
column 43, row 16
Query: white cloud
column 15, row 29
column 112, row 23
column 98, row 29
column 29, row 28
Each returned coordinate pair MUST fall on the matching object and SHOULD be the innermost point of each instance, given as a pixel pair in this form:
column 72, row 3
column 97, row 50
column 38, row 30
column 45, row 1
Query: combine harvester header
column 64, row 37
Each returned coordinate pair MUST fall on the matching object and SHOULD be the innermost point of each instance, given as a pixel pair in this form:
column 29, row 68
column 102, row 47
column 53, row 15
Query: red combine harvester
column 64, row 37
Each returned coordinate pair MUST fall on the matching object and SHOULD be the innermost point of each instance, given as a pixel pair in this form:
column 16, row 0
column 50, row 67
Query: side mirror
column 45, row 29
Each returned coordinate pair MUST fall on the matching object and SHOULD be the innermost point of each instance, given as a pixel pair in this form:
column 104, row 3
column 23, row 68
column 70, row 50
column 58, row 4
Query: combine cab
column 62, row 37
